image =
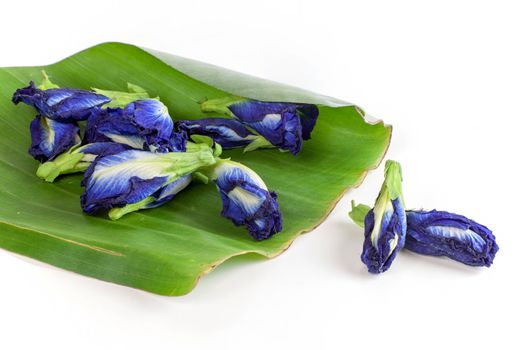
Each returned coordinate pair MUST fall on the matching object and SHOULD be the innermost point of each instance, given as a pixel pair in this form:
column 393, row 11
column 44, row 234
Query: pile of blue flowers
column 135, row 157
column 389, row 227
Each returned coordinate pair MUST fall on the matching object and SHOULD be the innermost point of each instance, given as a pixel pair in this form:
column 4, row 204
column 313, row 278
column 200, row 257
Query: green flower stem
column 65, row 163
column 117, row 213
column 358, row 213
column 258, row 142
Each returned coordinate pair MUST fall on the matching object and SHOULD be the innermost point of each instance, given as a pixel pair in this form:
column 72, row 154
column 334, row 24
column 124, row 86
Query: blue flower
column 440, row 233
column 229, row 133
column 385, row 224
column 135, row 177
column 385, row 231
column 284, row 125
column 77, row 159
column 115, row 125
column 60, row 104
column 50, row 138
column 279, row 124
column 246, row 199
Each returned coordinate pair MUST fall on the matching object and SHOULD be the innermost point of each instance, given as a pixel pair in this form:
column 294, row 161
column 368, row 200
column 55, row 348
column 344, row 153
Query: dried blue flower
column 60, row 104
column 440, row 233
column 385, row 224
column 385, row 230
column 229, row 133
column 246, row 200
column 134, row 177
column 280, row 124
column 50, row 138
column 114, row 125
column 77, row 159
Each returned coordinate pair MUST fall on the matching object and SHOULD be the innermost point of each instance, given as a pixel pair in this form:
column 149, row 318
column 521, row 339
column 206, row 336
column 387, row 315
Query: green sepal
column 66, row 163
column 202, row 139
column 117, row 213
column 120, row 99
column 358, row 213
column 220, row 105
column 393, row 179
column 258, row 142
column 206, row 140
column 197, row 156
column 46, row 83
column 217, row 150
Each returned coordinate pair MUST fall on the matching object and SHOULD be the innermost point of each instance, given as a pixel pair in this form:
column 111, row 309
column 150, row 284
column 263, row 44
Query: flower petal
column 110, row 125
column 229, row 133
column 169, row 191
column 61, row 104
column 152, row 116
column 93, row 150
column 50, row 138
column 440, row 233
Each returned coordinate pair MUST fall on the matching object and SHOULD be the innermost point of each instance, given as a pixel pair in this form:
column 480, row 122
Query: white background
column 450, row 77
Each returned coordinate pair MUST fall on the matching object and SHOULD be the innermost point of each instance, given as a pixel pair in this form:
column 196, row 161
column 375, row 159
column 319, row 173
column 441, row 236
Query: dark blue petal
column 247, row 201
column 381, row 246
column 50, row 138
column 115, row 125
column 102, row 149
column 151, row 116
column 111, row 125
column 61, row 104
column 440, row 233
column 308, row 114
column 176, row 143
column 123, row 178
column 229, row 133
column 284, row 125
column 169, row 191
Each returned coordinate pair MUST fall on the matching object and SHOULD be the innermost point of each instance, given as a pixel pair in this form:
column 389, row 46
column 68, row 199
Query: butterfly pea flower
column 60, row 104
column 440, row 233
column 278, row 124
column 50, row 138
column 134, row 179
column 385, row 224
column 246, row 200
column 229, row 133
column 77, row 159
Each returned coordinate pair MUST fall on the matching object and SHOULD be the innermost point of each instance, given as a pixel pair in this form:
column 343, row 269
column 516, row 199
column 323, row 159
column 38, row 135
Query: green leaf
column 358, row 213
column 166, row 250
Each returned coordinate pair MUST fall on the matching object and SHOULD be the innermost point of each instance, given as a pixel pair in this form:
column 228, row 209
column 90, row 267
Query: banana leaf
column 166, row 250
